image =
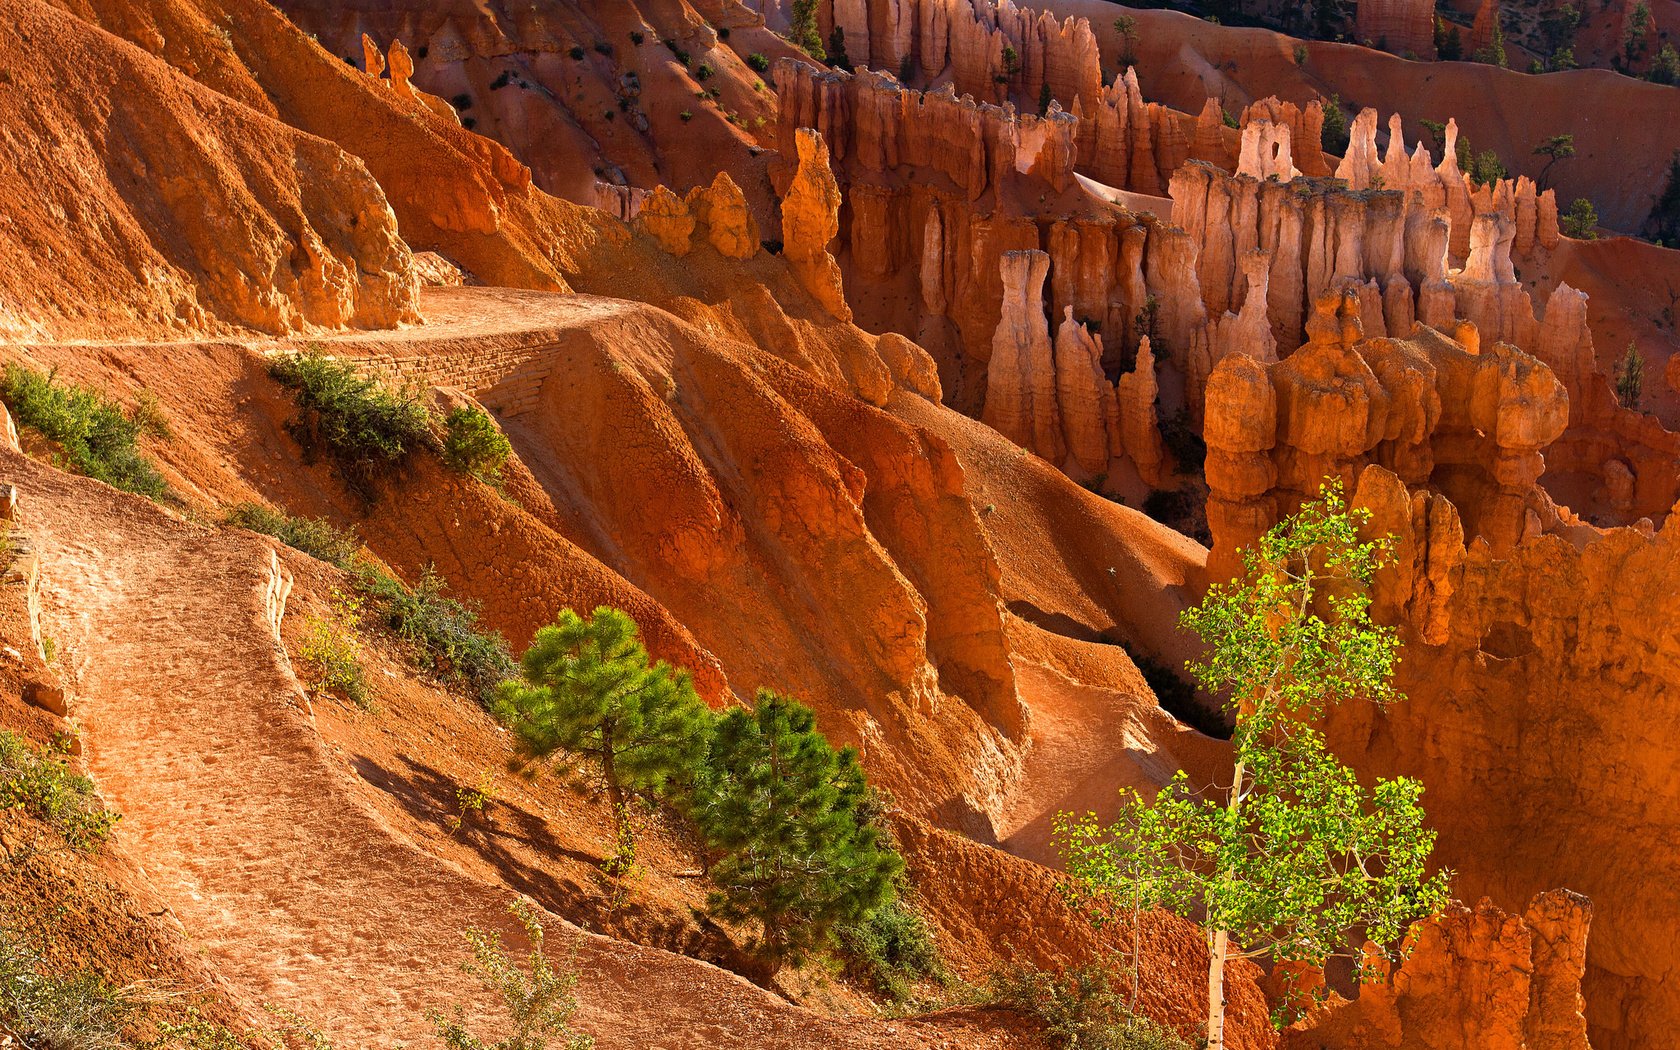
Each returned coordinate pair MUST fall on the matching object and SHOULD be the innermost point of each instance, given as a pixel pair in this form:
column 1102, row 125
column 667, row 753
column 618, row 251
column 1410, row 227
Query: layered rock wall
column 1476, row 978
column 1405, row 27
column 1470, row 422
column 1527, row 675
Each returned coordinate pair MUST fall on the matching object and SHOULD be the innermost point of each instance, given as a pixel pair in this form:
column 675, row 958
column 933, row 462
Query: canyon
column 930, row 388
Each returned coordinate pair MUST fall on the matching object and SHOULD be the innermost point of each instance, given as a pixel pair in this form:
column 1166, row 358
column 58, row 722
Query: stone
column 1084, row 399
column 912, row 367
column 665, row 217
column 1021, row 376
column 810, row 220
column 373, row 62
column 722, row 209
column 49, row 698
column 1140, row 432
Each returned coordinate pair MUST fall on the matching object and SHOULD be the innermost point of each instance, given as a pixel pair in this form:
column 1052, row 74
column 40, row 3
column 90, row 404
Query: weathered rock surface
column 1478, row 978
column 1405, row 27
column 270, row 229
column 810, row 220
column 1431, row 410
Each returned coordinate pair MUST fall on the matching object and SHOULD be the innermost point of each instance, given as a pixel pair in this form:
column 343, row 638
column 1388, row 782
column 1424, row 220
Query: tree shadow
column 502, row 831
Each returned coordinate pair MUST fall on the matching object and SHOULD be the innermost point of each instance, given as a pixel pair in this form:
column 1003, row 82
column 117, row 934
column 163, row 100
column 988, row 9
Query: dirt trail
column 293, row 887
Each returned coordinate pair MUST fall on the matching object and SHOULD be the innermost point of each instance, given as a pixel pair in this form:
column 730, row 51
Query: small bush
column 758, row 63
column 1581, row 220
column 575, row 52
column 636, row 37
column 473, row 445
column 1178, row 697
column 97, row 438
column 705, row 72
column 1166, row 505
column 890, row 949
column 1079, row 1009
column 43, row 1006
column 332, row 646
column 603, row 48
column 43, row 786
column 501, row 80
column 539, row 997
column 316, row 537
column 463, row 101
column 447, row 638
column 686, row 116
column 1333, row 135
column 367, row 429
column 1178, row 433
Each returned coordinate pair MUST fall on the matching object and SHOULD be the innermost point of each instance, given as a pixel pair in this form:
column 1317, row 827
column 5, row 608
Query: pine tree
column 1296, row 860
column 1555, row 148
column 1664, row 221
column 1630, row 377
column 802, row 29
column 589, row 690
column 1580, row 221
column 779, row 808
column 1333, row 134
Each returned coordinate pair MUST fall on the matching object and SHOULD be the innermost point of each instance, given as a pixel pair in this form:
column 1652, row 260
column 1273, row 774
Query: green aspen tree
column 1295, row 860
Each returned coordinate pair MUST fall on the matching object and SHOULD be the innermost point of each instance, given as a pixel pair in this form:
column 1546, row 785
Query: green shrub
column 367, row 429
column 97, row 438
column 539, row 997
column 1333, row 134
column 473, row 445
column 1189, row 451
column 47, row 789
column 758, row 63
column 1079, row 1008
column 447, row 638
column 890, row 949
column 705, row 72
column 788, row 817
column 41, row 1006
column 1581, row 220
column 332, row 646
column 316, row 537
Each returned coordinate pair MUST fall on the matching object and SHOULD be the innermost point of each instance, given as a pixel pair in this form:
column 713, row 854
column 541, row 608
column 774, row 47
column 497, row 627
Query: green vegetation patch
column 97, row 437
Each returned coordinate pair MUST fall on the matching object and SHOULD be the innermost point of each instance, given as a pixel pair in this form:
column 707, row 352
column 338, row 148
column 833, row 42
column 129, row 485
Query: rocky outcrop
column 1476, row 978
column 1434, row 411
column 665, row 217
column 810, row 219
column 1085, row 400
column 401, row 66
column 1529, row 674
column 1306, row 129
column 144, row 204
column 1140, row 431
column 1405, row 27
column 1630, row 451
column 965, row 43
column 1021, row 377
column 1482, row 29
column 720, row 211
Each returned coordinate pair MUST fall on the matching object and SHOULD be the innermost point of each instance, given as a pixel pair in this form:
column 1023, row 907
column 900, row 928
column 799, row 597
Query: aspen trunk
column 1219, row 945
column 1217, row 952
